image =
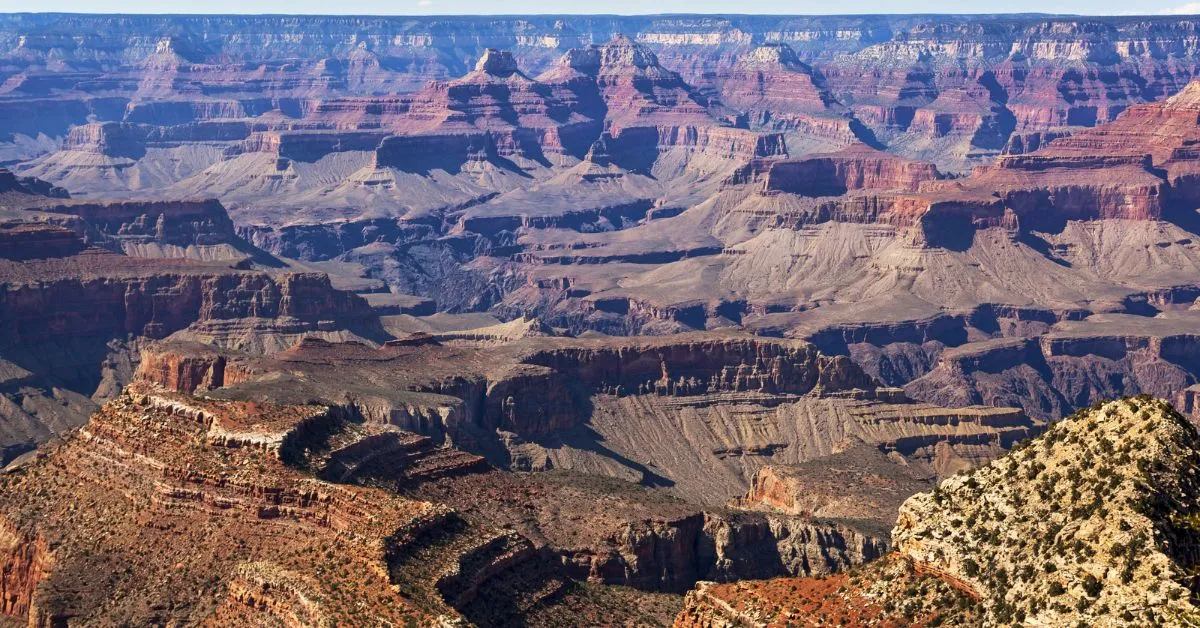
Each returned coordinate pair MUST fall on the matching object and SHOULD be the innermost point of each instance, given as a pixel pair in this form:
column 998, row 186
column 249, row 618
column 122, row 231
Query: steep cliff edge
column 858, row 167
column 74, row 311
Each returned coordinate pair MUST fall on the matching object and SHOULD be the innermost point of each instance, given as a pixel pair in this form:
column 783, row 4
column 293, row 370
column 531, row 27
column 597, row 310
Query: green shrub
column 1092, row 585
column 971, row 568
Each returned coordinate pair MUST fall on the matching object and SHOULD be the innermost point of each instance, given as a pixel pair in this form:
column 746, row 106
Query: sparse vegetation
column 1100, row 485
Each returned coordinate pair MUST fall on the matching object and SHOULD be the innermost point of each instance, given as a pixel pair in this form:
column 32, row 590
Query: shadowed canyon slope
column 544, row 320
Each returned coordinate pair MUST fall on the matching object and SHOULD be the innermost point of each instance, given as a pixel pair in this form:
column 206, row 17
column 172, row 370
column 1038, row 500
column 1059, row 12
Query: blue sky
column 443, row 7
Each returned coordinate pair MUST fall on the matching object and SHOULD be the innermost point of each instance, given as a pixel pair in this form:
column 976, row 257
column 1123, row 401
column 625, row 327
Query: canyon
column 645, row 320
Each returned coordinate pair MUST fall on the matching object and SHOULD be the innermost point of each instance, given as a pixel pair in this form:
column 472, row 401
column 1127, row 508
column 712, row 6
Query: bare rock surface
column 860, row 484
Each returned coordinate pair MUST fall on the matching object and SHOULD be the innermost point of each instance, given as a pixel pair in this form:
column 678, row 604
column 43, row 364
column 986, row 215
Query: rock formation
column 285, row 529
column 861, row 484
column 1052, row 555
column 855, row 168
column 613, row 407
column 74, row 312
column 1090, row 522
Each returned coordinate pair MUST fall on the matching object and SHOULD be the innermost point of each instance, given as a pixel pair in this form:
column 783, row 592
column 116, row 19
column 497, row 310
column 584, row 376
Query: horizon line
column 610, row 15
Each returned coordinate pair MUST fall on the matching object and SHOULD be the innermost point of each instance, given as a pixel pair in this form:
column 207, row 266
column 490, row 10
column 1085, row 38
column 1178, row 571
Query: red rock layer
column 776, row 91
column 1140, row 167
column 25, row 561
column 46, row 299
column 25, row 241
column 855, row 168
column 200, row 368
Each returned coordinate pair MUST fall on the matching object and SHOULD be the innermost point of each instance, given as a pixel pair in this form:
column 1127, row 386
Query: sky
column 629, row 7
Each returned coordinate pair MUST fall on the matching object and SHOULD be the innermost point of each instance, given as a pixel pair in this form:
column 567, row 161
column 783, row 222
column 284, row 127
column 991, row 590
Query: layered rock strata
column 539, row 403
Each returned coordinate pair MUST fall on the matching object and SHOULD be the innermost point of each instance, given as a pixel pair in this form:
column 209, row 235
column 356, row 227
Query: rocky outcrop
column 748, row 546
column 660, row 555
column 407, row 152
column 26, row 561
column 182, row 477
column 1022, row 143
column 111, row 139
column 338, row 448
column 26, row 241
column 1087, row 523
column 673, row 555
column 10, row 182
column 855, row 168
column 189, row 367
column 157, row 305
